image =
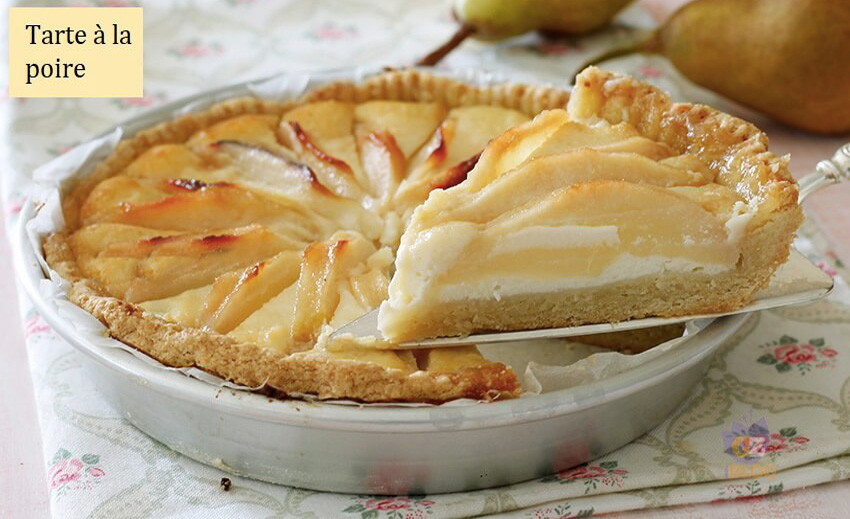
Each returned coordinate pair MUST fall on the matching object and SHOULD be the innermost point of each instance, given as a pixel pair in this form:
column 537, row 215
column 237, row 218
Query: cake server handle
column 827, row 172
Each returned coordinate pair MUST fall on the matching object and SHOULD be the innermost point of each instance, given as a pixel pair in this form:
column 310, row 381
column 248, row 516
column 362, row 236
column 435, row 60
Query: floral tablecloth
column 773, row 413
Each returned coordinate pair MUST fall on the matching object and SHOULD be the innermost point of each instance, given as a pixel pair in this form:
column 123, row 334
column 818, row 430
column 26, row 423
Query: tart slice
column 622, row 206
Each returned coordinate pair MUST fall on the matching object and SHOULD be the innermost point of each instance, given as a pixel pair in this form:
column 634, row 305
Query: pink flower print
column 34, row 325
column 826, row 268
column 95, row 472
column 15, row 206
column 69, row 473
column 137, row 102
column 783, row 352
column 555, row 48
column 777, row 443
column 648, row 72
column 196, row 48
column 787, row 353
column 61, row 150
column 331, row 31
column 786, row 440
column 140, row 102
column 397, row 503
column 799, row 358
column 64, row 472
column 606, row 473
column 413, row 507
column 582, row 473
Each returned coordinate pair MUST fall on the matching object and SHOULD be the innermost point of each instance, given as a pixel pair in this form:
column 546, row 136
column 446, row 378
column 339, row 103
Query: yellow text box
column 75, row 52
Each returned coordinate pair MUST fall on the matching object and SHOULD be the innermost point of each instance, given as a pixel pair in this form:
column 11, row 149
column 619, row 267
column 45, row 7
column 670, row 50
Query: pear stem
column 434, row 57
column 647, row 43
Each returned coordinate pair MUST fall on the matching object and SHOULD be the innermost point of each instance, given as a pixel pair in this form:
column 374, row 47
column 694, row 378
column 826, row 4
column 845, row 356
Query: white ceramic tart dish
column 380, row 449
column 234, row 239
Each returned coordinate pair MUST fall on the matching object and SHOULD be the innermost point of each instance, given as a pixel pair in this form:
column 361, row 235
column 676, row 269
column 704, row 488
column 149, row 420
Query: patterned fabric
column 772, row 414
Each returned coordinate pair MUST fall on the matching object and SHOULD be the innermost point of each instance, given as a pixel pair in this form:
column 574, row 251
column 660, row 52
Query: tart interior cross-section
column 237, row 239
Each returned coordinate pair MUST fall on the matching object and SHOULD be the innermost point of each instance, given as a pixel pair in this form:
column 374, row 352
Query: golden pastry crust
column 311, row 372
column 736, row 150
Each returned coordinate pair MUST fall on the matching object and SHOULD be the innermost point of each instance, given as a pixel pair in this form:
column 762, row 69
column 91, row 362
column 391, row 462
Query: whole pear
column 497, row 19
column 573, row 17
column 501, row 19
column 789, row 59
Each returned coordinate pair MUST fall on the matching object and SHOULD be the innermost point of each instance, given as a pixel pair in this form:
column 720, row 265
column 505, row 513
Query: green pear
column 497, row 19
column 789, row 59
column 573, row 17
column 501, row 19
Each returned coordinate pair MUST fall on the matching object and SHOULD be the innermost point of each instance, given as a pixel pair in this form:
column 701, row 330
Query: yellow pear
column 789, row 59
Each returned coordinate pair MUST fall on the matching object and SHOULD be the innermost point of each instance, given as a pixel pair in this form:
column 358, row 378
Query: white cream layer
column 560, row 237
column 423, row 257
column 626, row 267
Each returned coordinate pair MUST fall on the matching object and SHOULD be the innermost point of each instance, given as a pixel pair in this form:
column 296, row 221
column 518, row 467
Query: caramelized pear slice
column 638, row 219
column 282, row 176
column 114, row 195
column 322, row 135
column 275, row 171
column 620, row 137
column 163, row 266
column 513, row 147
column 166, row 161
column 383, row 163
column 236, row 295
column 552, row 133
column 453, row 149
column 184, row 308
column 369, row 288
column 88, row 242
column 449, row 360
column 323, row 266
column 255, row 129
column 539, row 177
column 200, row 207
column 270, row 326
column 409, row 123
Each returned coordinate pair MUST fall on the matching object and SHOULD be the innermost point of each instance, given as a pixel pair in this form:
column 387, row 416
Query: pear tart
column 237, row 239
column 621, row 206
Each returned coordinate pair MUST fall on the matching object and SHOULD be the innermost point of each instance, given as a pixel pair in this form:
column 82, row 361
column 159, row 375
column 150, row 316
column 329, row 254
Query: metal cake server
column 797, row 281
